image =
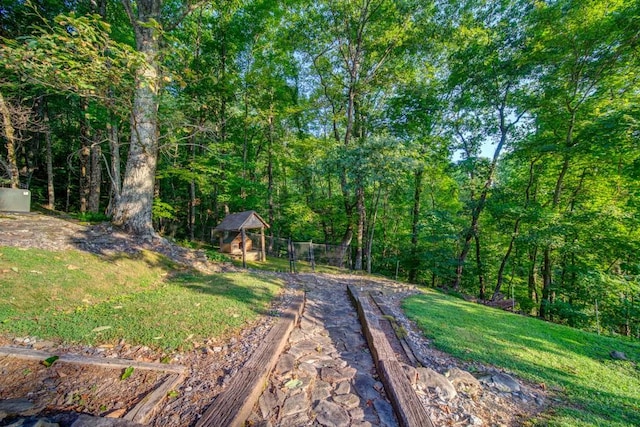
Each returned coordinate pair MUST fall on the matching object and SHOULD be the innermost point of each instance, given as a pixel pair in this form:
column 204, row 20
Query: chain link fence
column 312, row 253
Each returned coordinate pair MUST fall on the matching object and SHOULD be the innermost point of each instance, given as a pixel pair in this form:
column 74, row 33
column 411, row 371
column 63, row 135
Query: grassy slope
column 78, row 297
column 595, row 390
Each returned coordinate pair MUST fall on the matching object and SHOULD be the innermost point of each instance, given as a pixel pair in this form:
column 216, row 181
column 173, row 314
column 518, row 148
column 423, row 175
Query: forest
column 490, row 148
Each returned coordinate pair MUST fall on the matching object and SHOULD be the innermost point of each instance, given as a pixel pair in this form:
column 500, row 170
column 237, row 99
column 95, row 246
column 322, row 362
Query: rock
column 320, row 391
column 295, row 420
column 303, row 348
column 463, row 381
column 365, row 386
column 343, row 388
column 33, row 422
column 411, row 372
column 349, row 400
column 332, row 375
column 428, row 378
column 11, row 407
column 285, row 364
column 39, row 345
column 618, row 355
column 505, row 383
column 295, row 404
column 330, row 414
column 385, row 413
column 475, row 421
column 307, row 369
column 85, row 420
column 266, row 403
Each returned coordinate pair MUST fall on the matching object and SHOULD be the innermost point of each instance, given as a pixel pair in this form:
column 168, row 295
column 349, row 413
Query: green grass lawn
column 78, row 297
column 595, row 390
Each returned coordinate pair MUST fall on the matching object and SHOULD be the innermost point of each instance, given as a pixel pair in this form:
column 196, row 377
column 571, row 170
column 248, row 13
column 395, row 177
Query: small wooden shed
column 233, row 236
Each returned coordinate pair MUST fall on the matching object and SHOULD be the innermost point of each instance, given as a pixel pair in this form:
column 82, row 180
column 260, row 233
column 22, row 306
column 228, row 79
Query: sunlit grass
column 595, row 390
column 81, row 298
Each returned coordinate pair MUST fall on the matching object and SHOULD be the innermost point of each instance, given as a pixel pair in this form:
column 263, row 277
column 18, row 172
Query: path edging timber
column 233, row 405
column 405, row 401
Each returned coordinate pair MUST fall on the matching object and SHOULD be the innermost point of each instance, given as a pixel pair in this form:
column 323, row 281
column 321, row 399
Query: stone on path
column 285, row 364
column 332, row 375
column 295, row 404
column 267, row 402
column 385, row 413
column 330, row 414
column 343, row 388
column 321, row 390
column 348, row 400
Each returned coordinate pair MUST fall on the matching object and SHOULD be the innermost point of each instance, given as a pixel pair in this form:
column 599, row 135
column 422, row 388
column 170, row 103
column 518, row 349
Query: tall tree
column 488, row 80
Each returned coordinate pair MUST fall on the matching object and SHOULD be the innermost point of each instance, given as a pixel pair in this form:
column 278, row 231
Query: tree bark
column 362, row 216
column 483, row 288
column 9, row 133
column 83, row 158
column 114, row 167
column 95, row 181
column 134, row 209
column 372, row 230
column 51, row 194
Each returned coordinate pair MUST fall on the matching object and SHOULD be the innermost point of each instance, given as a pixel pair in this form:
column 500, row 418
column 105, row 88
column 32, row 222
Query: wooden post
column 312, row 260
column 244, row 248
column 292, row 257
column 263, row 256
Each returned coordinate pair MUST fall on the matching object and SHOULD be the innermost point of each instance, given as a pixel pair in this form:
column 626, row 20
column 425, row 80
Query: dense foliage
column 488, row 147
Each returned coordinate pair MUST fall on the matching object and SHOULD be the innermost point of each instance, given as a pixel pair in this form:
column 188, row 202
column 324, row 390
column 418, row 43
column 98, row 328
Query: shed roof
column 242, row 220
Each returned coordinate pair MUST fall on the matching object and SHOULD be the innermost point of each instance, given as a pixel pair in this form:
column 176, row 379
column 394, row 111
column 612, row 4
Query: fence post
column 311, row 258
column 244, row 247
column 292, row 257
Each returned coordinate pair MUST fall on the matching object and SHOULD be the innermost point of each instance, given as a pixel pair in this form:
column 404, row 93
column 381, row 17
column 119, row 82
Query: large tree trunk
column 9, row 133
column 95, row 181
column 134, row 209
column 51, row 194
column 372, row 230
column 83, row 157
column 483, row 287
column 114, row 167
column 362, row 217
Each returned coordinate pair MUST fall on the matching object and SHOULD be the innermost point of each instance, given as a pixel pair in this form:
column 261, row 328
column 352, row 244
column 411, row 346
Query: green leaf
column 127, row 373
column 293, row 384
column 172, row 393
column 48, row 362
